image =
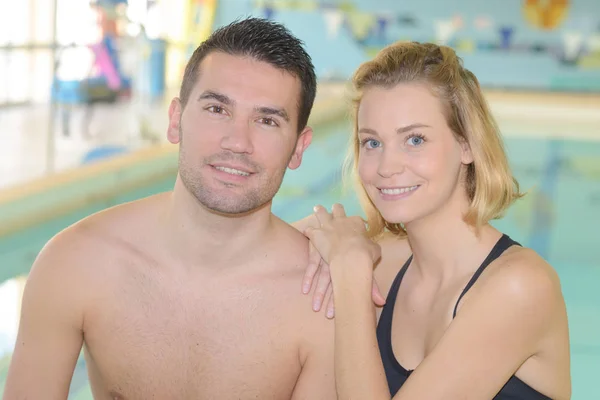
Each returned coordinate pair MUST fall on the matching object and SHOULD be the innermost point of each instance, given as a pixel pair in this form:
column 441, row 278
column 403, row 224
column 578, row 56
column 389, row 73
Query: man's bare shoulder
column 290, row 246
column 94, row 240
column 291, row 252
column 71, row 269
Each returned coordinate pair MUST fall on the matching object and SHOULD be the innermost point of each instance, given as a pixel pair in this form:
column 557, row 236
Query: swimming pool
column 556, row 218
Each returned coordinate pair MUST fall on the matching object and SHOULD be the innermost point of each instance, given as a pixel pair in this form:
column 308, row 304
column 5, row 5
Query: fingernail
column 329, row 313
column 305, row 288
column 316, row 305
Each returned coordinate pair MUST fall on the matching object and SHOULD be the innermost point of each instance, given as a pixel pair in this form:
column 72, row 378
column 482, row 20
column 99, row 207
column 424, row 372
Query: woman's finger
column 314, row 258
column 310, row 221
column 337, row 210
column 378, row 298
column 323, row 284
column 322, row 215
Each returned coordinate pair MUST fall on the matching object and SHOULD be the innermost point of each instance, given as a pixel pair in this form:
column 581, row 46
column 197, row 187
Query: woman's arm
column 358, row 367
column 344, row 245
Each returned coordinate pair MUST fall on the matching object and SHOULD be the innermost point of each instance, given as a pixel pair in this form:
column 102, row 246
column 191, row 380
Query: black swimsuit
column 514, row 389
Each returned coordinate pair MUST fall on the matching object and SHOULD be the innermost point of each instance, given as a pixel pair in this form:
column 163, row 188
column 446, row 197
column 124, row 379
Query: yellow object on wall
column 197, row 21
column 201, row 16
column 545, row 14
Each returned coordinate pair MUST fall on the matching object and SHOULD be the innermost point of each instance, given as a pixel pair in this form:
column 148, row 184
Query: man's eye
column 268, row 121
column 216, row 109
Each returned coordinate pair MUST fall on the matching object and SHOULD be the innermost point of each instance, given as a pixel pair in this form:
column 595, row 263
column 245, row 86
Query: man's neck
column 203, row 237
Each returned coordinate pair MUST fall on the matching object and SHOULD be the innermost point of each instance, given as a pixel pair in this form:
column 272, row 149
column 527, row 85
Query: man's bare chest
column 216, row 345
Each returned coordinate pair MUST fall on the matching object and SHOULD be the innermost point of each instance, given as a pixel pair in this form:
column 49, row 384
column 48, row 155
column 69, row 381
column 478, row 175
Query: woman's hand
column 339, row 235
column 316, row 264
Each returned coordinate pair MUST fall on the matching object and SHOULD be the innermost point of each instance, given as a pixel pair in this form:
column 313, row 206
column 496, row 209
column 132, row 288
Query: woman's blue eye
column 372, row 143
column 415, row 140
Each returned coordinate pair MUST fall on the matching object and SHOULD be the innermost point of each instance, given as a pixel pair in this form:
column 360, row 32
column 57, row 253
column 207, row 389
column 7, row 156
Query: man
column 193, row 294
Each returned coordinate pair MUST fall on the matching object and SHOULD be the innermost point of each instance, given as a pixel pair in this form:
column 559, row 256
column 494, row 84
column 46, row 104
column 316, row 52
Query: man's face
column 238, row 133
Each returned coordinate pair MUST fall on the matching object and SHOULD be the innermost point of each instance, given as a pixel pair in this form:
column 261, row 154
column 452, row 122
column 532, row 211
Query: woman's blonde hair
column 490, row 185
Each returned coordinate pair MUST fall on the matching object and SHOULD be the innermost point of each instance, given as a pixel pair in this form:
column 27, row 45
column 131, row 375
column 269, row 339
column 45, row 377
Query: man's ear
column 302, row 143
column 174, row 129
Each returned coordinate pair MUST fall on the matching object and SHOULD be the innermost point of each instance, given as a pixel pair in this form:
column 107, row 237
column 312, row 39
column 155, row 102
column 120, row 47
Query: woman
column 469, row 313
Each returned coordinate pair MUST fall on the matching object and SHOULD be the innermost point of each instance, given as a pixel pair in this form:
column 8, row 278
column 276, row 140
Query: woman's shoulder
column 521, row 278
column 521, row 268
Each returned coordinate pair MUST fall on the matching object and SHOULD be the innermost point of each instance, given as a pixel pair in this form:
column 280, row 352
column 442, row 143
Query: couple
column 195, row 293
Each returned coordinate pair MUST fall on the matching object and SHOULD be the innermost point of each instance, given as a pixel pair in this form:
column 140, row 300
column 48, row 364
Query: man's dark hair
column 265, row 41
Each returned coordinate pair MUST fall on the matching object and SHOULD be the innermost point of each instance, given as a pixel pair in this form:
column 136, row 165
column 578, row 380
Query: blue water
column 558, row 218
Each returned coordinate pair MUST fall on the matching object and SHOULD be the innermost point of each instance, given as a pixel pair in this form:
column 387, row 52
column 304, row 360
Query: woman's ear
column 466, row 156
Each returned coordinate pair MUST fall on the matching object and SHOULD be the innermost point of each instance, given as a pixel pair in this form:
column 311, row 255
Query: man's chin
column 235, row 210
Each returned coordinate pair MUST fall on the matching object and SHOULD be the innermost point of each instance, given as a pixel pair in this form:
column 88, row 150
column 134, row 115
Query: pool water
column 557, row 218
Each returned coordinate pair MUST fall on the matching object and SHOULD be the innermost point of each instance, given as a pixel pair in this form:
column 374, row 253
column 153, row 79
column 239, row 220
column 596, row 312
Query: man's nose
column 238, row 138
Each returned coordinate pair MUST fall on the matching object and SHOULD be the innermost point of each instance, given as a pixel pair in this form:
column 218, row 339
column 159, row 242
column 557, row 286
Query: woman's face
column 409, row 160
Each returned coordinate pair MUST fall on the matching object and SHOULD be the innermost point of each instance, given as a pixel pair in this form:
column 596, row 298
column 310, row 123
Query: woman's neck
column 444, row 245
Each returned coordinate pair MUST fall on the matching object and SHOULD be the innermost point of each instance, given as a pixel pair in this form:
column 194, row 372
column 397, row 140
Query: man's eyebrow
column 274, row 111
column 220, row 97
